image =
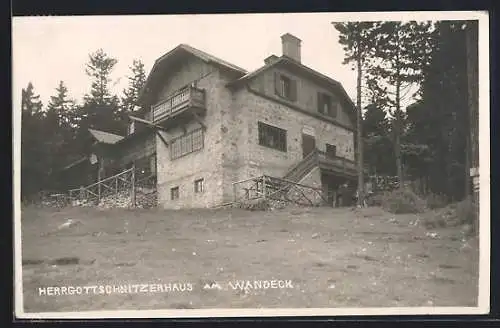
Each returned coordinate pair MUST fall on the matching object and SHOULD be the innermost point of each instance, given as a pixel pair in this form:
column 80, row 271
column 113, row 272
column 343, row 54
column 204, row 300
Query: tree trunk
column 397, row 141
column 361, row 184
column 467, row 186
column 473, row 102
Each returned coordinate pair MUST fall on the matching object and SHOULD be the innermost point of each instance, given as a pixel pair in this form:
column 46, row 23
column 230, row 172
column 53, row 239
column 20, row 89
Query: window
column 327, row 105
column 272, row 137
column 331, row 150
column 186, row 144
column 285, row 87
column 198, row 186
column 174, row 193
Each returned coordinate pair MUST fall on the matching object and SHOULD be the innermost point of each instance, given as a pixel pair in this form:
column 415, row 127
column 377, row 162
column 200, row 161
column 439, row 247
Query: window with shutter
column 327, row 105
column 285, row 87
column 321, row 103
column 186, row 144
column 293, row 90
column 277, row 84
column 334, row 105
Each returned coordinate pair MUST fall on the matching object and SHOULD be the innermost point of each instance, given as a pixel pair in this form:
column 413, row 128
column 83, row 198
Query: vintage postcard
column 251, row 165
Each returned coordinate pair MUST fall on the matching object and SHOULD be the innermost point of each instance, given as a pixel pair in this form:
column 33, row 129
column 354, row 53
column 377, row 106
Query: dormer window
column 327, row 104
column 285, row 87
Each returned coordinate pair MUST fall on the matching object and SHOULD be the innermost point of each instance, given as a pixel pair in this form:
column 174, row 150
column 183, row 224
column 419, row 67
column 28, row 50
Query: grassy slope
column 335, row 258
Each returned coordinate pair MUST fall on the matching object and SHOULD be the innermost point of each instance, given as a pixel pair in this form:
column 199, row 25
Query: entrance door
column 308, row 144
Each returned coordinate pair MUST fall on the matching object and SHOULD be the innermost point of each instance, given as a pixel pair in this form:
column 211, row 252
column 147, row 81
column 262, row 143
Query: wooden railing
column 92, row 194
column 315, row 158
column 301, row 168
column 188, row 96
column 277, row 189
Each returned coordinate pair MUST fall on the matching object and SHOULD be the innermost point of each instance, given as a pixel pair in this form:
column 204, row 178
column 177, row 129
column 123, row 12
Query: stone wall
column 206, row 163
column 255, row 160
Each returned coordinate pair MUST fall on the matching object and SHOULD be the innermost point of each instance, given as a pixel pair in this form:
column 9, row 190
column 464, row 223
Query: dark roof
column 105, row 137
column 284, row 60
column 209, row 58
column 184, row 49
column 142, row 132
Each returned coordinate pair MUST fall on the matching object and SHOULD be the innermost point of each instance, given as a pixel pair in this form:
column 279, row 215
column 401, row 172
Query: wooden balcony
column 182, row 105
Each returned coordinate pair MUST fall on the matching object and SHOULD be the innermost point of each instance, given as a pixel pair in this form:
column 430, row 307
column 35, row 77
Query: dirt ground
column 327, row 258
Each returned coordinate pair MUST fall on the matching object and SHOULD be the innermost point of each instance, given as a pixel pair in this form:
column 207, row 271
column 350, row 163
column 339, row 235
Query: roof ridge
column 211, row 57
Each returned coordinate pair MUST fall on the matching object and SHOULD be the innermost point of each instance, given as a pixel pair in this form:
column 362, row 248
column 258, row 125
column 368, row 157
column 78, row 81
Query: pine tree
column 61, row 109
column 376, row 129
column 99, row 68
column 32, row 155
column 440, row 119
column 30, row 103
column 356, row 37
column 137, row 80
column 402, row 50
column 60, row 123
column 101, row 108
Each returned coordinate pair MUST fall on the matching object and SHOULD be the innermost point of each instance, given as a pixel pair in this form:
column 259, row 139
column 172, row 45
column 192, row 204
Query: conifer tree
column 137, row 80
column 100, row 109
column 357, row 39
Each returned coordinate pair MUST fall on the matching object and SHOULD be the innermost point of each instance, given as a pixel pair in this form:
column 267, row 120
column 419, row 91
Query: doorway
column 308, row 144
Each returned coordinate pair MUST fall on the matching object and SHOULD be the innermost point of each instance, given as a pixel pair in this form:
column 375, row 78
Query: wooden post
column 133, row 185
column 116, row 187
column 264, row 186
column 234, row 193
column 99, row 172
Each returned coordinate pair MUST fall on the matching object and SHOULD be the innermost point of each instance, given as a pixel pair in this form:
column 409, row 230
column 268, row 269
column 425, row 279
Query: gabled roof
column 105, row 137
column 284, row 60
column 209, row 58
column 183, row 49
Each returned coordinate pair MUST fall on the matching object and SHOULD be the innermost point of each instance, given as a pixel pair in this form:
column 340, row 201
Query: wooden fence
column 277, row 189
column 120, row 183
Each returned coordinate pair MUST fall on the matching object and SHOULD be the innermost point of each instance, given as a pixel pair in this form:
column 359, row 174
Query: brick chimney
column 291, row 46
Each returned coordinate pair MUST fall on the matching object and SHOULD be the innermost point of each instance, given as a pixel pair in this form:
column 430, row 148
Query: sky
column 47, row 50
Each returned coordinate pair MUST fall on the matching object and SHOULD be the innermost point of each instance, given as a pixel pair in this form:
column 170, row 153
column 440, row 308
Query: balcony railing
column 184, row 98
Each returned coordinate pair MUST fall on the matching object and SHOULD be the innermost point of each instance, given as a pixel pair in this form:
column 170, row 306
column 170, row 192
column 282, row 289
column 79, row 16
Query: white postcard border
column 484, row 226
